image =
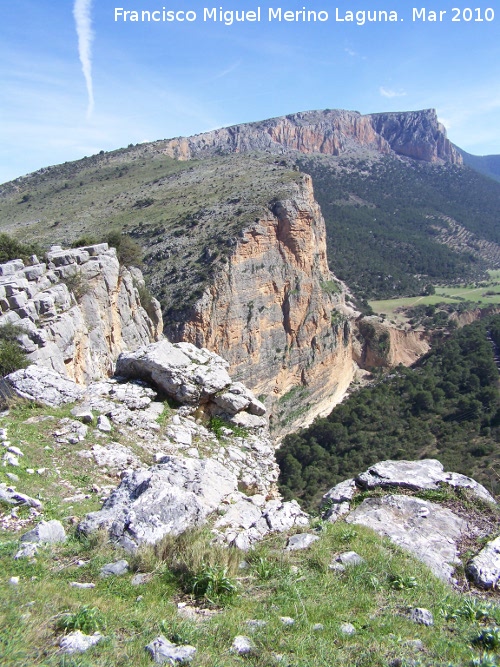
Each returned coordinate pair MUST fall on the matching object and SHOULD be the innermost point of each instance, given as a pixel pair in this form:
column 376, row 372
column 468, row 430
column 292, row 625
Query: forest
column 445, row 407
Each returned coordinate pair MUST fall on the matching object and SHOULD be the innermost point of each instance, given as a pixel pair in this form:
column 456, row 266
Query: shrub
column 129, row 252
column 213, row 583
column 87, row 619
column 12, row 355
column 11, row 248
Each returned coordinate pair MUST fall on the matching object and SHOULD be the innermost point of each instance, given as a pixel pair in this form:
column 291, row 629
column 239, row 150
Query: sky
column 75, row 81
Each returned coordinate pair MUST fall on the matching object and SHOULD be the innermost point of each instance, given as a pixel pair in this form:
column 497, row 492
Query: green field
column 482, row 295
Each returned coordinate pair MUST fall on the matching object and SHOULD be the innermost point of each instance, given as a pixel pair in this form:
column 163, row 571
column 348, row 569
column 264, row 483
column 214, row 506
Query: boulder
column 417, row 476
column 163, row 651
column 427, row 530
column 484, row 569
column 78, row 642
column 116, row 569
column 165, row 499
column 180, row 370
column 44, row 385
column 301, row 541
column 46, row 532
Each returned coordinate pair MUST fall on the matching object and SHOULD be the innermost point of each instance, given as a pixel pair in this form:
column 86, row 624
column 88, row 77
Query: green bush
column 129, row 251
column 11, row 248
column 87, row 619
column 12, row 355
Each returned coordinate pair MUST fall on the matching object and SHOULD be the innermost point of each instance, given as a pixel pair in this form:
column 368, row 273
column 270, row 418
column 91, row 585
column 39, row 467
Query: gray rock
column 10, row 459
column 349, row 559
column 242, row 645
column 417, row 475
column 163, row 651
column 14, row 581
column 46, row 532
column 141, row 578
column 82, row 585
column 44, row 385
column 281, row 516
column 182, row 371
column 103, row 424
column 300, row 541
column 115, row 569
column 347, row 629
column 83, row 414
column 287, row 620
column 422, row 616
column 28, row 550
column 77, row 642
column 255, row 624
column 484, row 568
column 317, row 627
column 427, row 530
column 165, row 499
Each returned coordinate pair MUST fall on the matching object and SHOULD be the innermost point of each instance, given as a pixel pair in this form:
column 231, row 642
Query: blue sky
column 158, row 80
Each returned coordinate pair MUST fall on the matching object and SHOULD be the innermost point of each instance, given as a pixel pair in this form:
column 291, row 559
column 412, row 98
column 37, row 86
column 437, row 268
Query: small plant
column 470, row 609
column 213, row 583
column 347, row 535
column 484, row 660
column 489, row 639
column 87, row 619
column 400, row 582
column 77, row 284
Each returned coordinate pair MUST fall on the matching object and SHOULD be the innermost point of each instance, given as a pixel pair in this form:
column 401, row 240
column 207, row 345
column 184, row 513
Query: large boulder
column 165, row 499
column 431, row 532
column 44, row 385
column 180, row 370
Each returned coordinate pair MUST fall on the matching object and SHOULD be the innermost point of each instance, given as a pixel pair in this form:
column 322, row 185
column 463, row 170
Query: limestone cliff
column 79, row 310
column 415, row 134
column 277, row 314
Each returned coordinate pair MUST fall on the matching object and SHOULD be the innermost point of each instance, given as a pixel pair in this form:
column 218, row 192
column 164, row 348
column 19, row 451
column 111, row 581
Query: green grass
column 275, row 583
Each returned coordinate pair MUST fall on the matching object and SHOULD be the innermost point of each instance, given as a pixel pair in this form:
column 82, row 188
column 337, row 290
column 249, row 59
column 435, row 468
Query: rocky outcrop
column 430, row 531
column 378, row 344
column 79, row 309
column 278, row 316
column 416, row 134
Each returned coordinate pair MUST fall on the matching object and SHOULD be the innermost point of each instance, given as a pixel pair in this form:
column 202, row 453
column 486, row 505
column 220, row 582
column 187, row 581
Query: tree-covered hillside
column 447, row 407
column 388, row 220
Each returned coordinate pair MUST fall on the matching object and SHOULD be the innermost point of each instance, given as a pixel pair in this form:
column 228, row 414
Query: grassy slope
column 373, row 597
column 184, row 214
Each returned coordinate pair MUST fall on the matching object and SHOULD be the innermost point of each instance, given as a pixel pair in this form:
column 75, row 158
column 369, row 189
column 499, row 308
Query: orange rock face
column 274, row 312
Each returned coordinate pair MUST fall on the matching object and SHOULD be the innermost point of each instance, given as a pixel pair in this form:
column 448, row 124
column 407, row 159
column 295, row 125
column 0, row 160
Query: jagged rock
column 115, row 569
column 300, row 541
column 103, row 424
column 166, row 499
column 421, row 616
column 28, row 550
column 113, row 456
column 181, row 370
column 46, row 532
column 427, row 530
column 81, row 336
column 44, row 385
column 417, row 475
column 162, row 650
column 242, row 645
column 484, row 569
column 281, row 516
column 83, row 414
column 78, row 642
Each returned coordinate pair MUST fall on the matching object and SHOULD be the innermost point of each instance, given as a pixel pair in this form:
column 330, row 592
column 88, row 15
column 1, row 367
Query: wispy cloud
column 387, row 92
column 226, row 71
column 83, row 21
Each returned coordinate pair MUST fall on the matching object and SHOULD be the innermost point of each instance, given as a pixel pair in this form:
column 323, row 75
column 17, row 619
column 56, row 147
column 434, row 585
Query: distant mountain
column 489, row 165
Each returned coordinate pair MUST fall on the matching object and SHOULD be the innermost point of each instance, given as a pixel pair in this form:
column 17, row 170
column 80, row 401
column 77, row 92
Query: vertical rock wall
column 277, row 314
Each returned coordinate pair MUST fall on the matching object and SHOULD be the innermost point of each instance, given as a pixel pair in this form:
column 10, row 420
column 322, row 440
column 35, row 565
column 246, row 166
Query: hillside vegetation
column 393, row 224
column 446, row 407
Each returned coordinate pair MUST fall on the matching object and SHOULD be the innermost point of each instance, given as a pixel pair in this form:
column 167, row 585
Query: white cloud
column 83, row 21
column 387, row 92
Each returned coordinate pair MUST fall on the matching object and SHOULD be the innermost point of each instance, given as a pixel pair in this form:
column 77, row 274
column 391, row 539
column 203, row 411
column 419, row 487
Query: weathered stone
column 166, row 499
column 28, row 550
column 163, row 651
column 347, row 629
column 281, row 516
column 43, row 385
column 103, row 424
column 287, row 620
column 82, row 585
column 46, row 532
column 242, row 645
column 427, row 530
column 115, row 569
column 300, row 541
column 349, row 559
column 484, row 568
column 181, row 370
column 78, row 642
column 417, row 475
column 83, row 414
column 422, row 616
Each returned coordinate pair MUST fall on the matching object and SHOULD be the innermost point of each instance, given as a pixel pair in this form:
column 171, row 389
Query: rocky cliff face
column 79, row 310
column 381, row 345
column 277, row 314
column 416, row 134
